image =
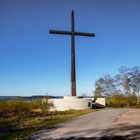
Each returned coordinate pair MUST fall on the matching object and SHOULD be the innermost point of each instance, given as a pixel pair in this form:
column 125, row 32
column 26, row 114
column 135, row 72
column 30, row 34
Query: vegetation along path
column 105, row 124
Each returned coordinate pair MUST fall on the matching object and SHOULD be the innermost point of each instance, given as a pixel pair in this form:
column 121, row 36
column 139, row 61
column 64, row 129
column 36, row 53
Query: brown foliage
column 120, row 100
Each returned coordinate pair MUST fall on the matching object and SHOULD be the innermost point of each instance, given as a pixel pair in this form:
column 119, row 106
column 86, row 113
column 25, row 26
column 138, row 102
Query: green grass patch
column 29, row 125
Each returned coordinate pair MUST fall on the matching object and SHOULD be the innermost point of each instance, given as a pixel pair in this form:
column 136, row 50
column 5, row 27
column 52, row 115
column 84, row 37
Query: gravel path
column 106, row 124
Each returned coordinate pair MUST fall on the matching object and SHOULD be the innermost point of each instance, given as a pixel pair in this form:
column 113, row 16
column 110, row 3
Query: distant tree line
column 27, row 98
column 126, row 82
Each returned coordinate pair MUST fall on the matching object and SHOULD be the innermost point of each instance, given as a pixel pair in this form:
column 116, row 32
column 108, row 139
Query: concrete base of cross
column 74, row 102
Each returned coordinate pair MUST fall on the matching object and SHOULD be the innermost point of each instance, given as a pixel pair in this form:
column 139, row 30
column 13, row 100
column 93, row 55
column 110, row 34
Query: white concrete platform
column 71, row 102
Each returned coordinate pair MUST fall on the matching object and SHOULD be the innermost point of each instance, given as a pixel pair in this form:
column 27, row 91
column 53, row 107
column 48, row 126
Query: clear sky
column 34, row 62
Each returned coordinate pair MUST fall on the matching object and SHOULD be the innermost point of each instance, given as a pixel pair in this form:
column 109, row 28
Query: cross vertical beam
column 73, row 72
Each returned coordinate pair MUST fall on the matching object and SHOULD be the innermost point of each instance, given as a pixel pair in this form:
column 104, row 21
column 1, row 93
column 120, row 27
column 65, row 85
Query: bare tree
column 135, row 81
column 105, row 86
column 124, row 80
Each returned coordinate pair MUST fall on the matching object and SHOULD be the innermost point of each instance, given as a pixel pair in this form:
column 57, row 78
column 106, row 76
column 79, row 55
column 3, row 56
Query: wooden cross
column 72, row 33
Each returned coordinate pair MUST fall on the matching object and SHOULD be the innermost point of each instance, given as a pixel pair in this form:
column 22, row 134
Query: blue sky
column 33, row 62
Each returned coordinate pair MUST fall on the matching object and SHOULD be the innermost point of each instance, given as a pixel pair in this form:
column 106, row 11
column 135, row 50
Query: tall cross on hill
column 72, row 33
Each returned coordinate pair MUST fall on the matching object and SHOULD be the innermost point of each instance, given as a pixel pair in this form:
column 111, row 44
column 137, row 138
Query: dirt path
column 107, row 124
column 127, row 125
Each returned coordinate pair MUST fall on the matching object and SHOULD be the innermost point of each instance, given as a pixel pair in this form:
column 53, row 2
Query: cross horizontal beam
column 70, row 33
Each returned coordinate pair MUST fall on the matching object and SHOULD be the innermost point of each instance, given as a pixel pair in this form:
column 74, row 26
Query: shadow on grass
column 13, row 134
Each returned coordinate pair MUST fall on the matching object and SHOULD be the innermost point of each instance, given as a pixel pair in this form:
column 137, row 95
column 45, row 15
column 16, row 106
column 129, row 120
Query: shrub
column 45, row 105
column 120, row 100
column 15, row 108
column 21, row 108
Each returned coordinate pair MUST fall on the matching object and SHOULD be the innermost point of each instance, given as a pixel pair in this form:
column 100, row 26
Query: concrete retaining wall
column 68, row 103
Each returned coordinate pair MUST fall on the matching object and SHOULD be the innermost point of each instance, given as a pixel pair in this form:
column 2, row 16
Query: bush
column 45, row 105
column 15, row 108
column 120, row 100
column 21, row 108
